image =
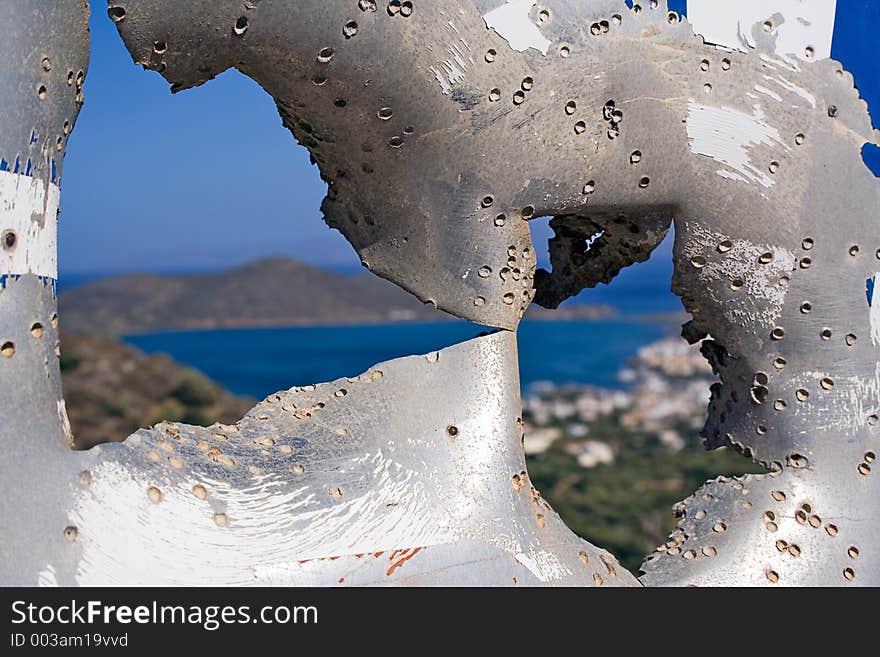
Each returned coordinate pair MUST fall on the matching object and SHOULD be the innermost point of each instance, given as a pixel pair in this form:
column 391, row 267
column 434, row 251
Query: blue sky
column 208, row 178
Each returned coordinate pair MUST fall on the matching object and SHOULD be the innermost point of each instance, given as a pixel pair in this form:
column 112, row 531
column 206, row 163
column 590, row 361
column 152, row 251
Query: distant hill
column 273, row 292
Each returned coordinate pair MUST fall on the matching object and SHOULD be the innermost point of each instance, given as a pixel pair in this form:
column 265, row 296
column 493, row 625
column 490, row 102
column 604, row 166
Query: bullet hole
column 491, row 54
column 385, row 113
column 395, row 142
column 805, row 263
column 590, row 187
column 9, row 240
column 564, row 51
column 831, row 529
column 479, row 302
column 452, row 431
column 768, row 26
column 725, row 64
column 802, row 395
column 826, row 334
column 854, row 250
column 37, row 330
column 644, row 182
column 154, row 494
column 780, row 363
column 116, row 14
column 774, row 166
column 335, row 492
column 807, row 244
column 870, row 457
column 707, row 88
column 736, row 284
column 773, row 576
column 241, row 25
column 340, row 102
column 508, row 298
column 70, row 533
column 796, row 461
column 800, row 138
column 806, row 308
column 500, row 220
column 325, row 55
column 41, row 92
column 527, row 84
column 349, row 29
column 849, row 574
column 570, row 107
column 221, row 519
column 759, row 394
column 704, row 65
column 7, row 349
column 832, row 111
column 296, row 468
column 698, row 262
column 487, row 201
column 539, row 518
column 778, row 495
column 635, row 157
column 580, row 127
column 850, row 339
column 518, row 97
column 484, row 272
column 852, row 552
column 725, row 246
column 159, row 47
column 809, row 52
column 827, row 383
column 873, row 420
column 777, row 333
column 319, row 80
column 719, row 527
column 544, row 16
column 528, row 212
column 495, row 95
column 46, row 64
column 367, row 5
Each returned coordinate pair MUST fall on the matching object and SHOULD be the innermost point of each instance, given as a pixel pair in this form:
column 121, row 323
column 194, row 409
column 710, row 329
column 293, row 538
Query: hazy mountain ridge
column 271, row 292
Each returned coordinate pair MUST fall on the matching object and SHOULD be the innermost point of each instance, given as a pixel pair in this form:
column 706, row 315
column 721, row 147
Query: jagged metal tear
column 433, row 133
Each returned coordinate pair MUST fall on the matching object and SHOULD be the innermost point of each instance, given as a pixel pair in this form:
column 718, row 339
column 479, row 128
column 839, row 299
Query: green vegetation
column 193, row 389
column 626, row 506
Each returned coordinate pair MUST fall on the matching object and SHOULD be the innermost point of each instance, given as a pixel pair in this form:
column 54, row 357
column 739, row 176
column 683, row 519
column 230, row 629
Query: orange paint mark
column 378, row 554
column 407, row 555
column 341, row 580
column 515, row 582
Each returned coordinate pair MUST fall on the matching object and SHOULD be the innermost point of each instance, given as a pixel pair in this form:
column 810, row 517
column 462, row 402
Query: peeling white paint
column 767, row 92
column 798, row 24
column 763, row 298
column 792, row 87
column 29, row 208
column 727, row 135
column 451, row 71
column 512, row 23
column 544, row 565
column 266, row 525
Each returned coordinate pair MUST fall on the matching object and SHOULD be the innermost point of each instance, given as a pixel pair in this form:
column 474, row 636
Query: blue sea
column 258, row 362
